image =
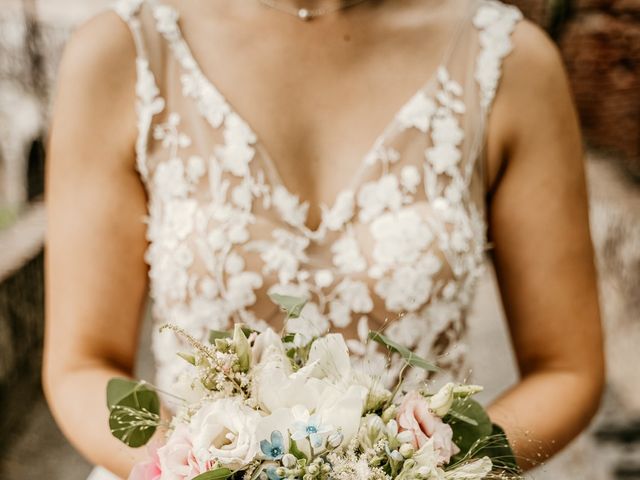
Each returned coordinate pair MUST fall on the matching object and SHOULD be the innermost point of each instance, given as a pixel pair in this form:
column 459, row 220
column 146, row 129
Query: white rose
column 225, row 430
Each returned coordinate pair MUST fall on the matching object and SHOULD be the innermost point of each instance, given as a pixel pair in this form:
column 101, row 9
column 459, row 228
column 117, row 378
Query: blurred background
column 600, row 43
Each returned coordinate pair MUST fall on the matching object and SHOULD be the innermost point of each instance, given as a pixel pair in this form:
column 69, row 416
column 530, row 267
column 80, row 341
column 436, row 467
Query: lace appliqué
column 496, row 22
column 409, row 237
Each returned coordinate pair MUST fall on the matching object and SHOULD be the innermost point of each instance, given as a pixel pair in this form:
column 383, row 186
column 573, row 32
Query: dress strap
column 148, row 100
column 496, row 22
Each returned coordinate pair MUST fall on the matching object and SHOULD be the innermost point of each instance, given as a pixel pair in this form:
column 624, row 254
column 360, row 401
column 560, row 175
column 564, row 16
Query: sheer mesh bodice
column 402, row 246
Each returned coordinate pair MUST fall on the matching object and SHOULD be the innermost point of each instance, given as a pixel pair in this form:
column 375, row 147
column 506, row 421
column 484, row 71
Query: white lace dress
column 402, row 246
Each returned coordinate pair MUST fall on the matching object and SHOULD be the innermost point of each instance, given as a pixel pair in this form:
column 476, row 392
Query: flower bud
column 313, row 469
column 372, row 429
column 406, row 450
column 441, row 402
column 335, row 439
column 405, row 436
column 396, row 456
column 389, row 413
column 289, row 461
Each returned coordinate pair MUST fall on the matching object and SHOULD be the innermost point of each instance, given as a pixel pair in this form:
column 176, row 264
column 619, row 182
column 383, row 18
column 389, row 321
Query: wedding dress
column 401, row 247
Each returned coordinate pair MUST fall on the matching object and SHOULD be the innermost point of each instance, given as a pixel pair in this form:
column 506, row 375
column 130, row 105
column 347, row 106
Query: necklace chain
column 308, row 13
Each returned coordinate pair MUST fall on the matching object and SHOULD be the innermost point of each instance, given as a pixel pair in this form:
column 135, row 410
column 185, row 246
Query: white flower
column 234, row 263
column 323, row 278
column 347, row 256
column 442, row 401
column 355, row 294
column 189, row 388
column 374, row 197
column 210, row 102
column 289, row 206
column 275, row 385
column 443, row 158
column 241, row 196
column 179, row 216
column 311, row 322
column 237, row 152
column 485, row 16
column 417, row 112
column 446, row 130
column 169, row 180
column 410, row 286
column 284, row 255
column 410, row 178
column 399, row 237
column 380, row 153
column 195, row 168
column 341, row 212
column 166, row 19
column 240, row 289
column 339, row 313
column 225, row 430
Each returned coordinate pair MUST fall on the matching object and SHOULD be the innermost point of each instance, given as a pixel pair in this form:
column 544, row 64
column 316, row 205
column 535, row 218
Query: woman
column 302, row 200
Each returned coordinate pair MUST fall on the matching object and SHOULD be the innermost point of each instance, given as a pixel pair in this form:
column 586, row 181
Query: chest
column 319, row 94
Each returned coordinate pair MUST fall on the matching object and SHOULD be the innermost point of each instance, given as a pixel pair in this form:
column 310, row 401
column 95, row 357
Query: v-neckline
column 187, row 59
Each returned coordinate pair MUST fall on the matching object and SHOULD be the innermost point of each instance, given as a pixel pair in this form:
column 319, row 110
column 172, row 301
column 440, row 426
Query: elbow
column 596, row 384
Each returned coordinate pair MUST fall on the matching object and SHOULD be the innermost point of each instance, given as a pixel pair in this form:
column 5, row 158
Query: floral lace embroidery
column 496, row 22
column 427, row 236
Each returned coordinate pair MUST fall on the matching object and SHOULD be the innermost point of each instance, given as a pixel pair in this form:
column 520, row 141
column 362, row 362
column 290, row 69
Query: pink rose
column 414, row 416
column 149, row 470
column 177, row 461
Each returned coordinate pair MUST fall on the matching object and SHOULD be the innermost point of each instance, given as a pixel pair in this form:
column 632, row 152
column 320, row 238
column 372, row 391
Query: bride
column 365, row 154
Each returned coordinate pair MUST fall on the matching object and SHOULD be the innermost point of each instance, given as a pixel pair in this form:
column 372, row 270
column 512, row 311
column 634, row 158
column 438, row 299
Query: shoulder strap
column 148, row 100
column 496, row 22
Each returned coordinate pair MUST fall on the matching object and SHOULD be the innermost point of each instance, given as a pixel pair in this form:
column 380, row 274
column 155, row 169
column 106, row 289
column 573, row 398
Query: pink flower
column 177, row 461
column 149, row 470
column 414, row 416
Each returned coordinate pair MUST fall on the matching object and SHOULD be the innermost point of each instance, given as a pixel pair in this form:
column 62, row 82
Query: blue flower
column 312, row 429
column 273, row 450
column 271, row 474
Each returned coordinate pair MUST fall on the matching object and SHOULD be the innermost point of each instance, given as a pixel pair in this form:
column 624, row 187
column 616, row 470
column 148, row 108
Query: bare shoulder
column 96, row 78
column 535, row 60
column 534, row 90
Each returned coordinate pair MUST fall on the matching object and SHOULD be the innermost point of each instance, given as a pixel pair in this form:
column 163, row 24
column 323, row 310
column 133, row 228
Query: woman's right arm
column 96, row 278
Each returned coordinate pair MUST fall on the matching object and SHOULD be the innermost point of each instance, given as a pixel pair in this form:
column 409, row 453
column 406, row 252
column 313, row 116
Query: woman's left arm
column 543, row 254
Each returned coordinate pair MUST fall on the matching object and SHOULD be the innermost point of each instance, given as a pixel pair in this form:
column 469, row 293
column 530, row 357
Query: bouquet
column 263, row 406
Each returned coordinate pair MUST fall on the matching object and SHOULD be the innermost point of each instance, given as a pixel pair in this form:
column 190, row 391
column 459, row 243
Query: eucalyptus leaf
column 466, row 434
column 409, row 357
column 463, row 418
column 217, row 474
column 292, row 305
column 134, row 411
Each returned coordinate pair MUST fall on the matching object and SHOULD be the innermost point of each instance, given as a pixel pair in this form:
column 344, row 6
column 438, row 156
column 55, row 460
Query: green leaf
column 466, row 434
column 187, row 358
column 134, row 411
column 409, row 357
column 292, row 305
column 295, row 451
column 218, row 334
column 463, row 418
column 243, row 349
column 497, row 448
column 217, row 474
